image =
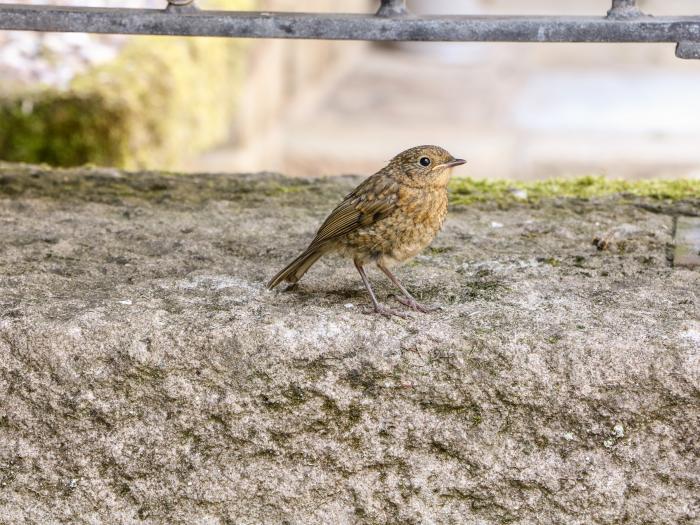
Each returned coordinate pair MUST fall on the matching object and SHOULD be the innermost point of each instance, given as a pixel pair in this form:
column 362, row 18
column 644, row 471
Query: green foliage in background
column 160, row 101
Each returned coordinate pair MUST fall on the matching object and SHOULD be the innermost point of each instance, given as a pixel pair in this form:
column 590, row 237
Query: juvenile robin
column 389, row 218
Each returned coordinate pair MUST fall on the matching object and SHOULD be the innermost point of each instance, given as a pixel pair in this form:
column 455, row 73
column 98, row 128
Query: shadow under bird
column 389, row 218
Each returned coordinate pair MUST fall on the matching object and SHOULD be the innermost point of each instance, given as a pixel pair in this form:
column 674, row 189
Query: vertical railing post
column 392, row 8
column 688, row 50
column 624, row 9
column 181, row 5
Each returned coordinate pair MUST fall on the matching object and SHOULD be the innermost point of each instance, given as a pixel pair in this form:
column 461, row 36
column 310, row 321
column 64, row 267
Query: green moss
column 552, row 261
column 468, row 191
column 112, row 187
column 161, row 100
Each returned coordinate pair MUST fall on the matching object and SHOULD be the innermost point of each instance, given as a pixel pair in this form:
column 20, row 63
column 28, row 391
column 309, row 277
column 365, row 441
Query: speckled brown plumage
column 389, row 218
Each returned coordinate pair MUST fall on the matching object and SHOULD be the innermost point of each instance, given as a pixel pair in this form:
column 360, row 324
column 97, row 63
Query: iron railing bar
column 247, row 24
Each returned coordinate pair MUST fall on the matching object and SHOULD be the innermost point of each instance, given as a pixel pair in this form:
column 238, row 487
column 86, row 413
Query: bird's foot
column 386, row 311
column 415, row 305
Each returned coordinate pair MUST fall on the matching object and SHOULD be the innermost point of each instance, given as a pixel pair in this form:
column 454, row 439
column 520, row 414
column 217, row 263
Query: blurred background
column 307, row 108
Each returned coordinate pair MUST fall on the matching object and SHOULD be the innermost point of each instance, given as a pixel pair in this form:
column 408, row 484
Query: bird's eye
column 424, row 161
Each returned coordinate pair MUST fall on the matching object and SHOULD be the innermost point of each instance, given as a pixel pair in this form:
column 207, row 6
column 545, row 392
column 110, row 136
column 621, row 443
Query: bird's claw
column 415, row 305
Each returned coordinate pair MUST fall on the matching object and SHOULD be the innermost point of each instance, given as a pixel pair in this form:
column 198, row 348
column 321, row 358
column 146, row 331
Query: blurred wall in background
column 313, row 108
column 284, row 80
column 519, row 111
column 153, row 102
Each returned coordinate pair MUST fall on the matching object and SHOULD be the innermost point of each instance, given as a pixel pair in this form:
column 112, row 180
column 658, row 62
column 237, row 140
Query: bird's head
column 428, row 166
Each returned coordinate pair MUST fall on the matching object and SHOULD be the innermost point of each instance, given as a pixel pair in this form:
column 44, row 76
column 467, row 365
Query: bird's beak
column 453, row 163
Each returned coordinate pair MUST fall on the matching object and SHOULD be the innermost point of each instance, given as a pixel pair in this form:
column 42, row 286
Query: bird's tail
column 297, row 268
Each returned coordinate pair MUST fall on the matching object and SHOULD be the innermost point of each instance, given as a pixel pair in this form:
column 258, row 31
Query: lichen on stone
column 468, row 190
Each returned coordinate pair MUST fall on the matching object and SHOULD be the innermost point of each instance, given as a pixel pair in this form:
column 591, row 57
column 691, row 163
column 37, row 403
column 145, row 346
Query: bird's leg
column 408, row 299
column 378, row 307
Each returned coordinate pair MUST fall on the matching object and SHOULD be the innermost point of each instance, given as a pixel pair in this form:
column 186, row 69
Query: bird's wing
column 370, row 202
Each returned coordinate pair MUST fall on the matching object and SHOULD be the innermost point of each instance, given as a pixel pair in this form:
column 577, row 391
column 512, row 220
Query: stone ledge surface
column 147, row 376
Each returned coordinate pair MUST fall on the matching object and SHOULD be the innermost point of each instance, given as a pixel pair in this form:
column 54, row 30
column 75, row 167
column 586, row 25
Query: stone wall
column 147, row 375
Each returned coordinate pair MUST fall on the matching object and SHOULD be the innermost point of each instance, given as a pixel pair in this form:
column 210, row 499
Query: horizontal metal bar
column 349, row 27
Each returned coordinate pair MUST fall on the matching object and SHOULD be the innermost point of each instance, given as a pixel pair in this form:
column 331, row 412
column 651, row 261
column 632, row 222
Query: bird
column 388, row 219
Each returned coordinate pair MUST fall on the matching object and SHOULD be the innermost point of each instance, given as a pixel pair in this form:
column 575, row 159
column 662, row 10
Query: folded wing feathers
column 370, row 202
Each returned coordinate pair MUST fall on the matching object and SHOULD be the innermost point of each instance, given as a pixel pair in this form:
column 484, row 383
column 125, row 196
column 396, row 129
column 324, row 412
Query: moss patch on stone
column 106, row 185
column 467, row 190
column 94, row 184
column 160, row 101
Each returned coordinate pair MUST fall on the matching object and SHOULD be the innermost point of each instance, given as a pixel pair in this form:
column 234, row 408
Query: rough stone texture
column 146, row 375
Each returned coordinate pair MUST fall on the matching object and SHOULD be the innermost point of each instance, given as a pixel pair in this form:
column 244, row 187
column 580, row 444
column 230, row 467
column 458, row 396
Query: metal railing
column 624, row 22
